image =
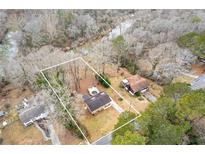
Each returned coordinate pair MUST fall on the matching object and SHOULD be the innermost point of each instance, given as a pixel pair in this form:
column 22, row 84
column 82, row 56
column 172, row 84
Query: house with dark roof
column 135, row 84
column 98, row 102
column 34, row 109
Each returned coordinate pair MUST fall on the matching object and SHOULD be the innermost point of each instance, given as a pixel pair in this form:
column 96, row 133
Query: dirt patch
column 87, row 82
column 198, row 68
column 111, row 70
column 13, row 95
column 16, row 133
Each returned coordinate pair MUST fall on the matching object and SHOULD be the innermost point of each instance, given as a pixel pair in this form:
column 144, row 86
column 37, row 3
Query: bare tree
column 74, row 71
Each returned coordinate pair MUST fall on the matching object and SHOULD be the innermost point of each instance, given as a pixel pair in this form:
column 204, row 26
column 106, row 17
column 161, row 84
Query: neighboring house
column 31, row 114
column 198, row 83
column 98, row 102
column 2, row 113
column 135, row 84
column 33, row 110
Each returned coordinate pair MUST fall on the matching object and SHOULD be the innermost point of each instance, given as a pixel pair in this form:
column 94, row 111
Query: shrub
column 105, row 77
column 40, row 81
column 137, row 94
column 196, row 19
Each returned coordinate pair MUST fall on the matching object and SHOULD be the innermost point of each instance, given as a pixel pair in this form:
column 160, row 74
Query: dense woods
column 170, row 120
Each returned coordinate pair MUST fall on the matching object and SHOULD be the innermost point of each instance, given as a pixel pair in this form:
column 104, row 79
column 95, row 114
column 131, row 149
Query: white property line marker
column 68, row 61
column 41, row 71
column 64, row 107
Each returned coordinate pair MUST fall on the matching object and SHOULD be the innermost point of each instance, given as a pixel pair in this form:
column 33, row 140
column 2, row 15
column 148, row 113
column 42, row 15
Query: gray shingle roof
column 31, row 112
column 97, row 101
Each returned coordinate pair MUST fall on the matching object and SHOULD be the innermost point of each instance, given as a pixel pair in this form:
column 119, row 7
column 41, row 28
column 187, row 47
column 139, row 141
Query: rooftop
column 137, row 83
column 33, row 108
column 31, row 112
column 97, row 101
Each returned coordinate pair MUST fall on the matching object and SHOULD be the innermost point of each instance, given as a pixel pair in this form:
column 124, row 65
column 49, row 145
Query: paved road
column 54, row 138
column 106, row 140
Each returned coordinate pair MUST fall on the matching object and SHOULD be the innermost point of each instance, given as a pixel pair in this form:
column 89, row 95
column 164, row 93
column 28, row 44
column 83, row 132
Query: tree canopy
column 127, row 134
column 170, row 119
column 176, row 90
column 195, row 42
column 124, row 118
column 160, row 125
column 192, row 105
column 129, row 138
